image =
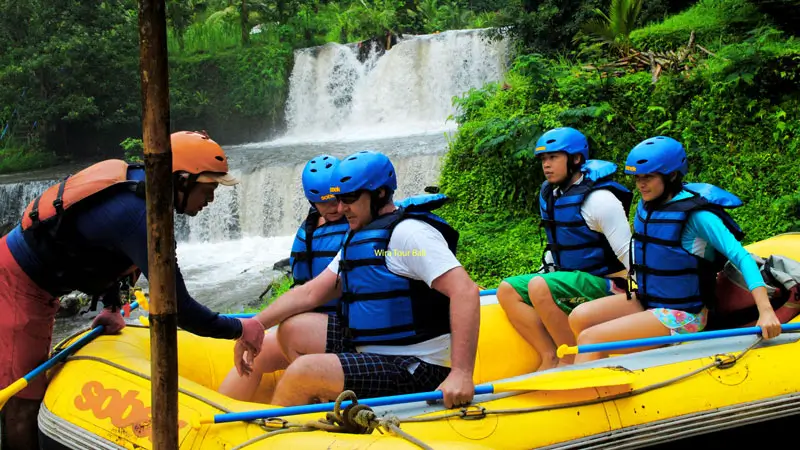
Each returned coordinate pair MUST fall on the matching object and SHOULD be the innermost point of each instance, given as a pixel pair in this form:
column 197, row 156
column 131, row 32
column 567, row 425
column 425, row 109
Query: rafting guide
column 88, row 233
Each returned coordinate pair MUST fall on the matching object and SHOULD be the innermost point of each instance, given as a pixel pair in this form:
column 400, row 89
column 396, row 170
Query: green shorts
column 569, row 289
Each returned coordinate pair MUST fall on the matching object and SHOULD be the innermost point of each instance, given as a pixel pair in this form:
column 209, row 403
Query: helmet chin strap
column 183, row 184
column 572, row 169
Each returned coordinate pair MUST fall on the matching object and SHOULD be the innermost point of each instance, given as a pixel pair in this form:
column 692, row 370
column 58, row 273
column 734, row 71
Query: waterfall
column 397, row 102
column 333, row 96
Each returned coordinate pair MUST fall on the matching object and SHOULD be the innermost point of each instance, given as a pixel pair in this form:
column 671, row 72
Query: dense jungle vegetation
column 722, row 76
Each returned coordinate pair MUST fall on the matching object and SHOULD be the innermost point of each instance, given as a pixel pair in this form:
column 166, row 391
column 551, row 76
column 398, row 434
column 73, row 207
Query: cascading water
column 408, row 90
column 396, row 102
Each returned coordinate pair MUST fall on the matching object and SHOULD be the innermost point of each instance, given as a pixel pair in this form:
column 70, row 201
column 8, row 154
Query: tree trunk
column 245, row 31
column 160, row 223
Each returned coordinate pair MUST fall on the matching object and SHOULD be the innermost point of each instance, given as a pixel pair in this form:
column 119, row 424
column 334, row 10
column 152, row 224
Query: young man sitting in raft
column 317, row 241
column 585, row 215
column 406, row 302
column 682, row 237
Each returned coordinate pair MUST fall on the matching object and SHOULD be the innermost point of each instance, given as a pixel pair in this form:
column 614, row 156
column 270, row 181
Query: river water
column 397, row 102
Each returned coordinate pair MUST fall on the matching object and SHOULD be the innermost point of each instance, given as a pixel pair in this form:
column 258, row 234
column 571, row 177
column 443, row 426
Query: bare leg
column 20, row 427
column 303, row 334
column 310, row 379
column 554, row 319
column 632, row 322
column 269, row 360
column 589, row 314
column 526, row 321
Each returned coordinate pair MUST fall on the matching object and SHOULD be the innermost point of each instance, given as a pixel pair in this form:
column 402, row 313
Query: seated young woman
column 682, row 237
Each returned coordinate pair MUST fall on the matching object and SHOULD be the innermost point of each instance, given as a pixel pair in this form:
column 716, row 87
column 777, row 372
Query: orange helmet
column 195, row 153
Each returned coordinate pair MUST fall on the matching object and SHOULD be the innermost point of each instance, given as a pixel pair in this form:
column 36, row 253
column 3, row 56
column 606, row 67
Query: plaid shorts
column 370, row 375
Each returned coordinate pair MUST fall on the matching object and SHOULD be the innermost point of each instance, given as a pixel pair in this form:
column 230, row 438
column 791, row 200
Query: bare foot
column 548, row 363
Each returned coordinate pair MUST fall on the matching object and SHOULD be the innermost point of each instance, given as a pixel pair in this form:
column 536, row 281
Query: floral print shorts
column 681, row 322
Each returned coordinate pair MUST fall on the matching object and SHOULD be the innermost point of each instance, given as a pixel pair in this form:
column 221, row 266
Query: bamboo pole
column 160, row 223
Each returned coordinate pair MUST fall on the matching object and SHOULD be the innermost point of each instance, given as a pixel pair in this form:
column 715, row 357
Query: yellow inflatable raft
column 99, row 399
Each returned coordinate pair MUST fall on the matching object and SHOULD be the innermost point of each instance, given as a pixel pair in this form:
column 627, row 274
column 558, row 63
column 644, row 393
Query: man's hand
column 458, row 389
column 769, row 323
column 112, row 322
column 248, row 345
column 242, row 359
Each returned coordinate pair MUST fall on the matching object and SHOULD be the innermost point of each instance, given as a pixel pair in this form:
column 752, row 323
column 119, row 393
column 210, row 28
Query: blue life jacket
column 314, row 248
column 379, row 307
column 573, row 245
column 667, row 275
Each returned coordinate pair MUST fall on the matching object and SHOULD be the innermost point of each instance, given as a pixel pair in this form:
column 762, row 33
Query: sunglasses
column 349, row 199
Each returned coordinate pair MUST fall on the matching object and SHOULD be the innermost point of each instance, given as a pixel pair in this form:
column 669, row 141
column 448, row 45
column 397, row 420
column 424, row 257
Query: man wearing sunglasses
column 409, row 313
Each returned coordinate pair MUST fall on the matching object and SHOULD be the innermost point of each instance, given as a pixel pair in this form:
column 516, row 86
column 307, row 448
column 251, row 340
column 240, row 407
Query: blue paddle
column 556, row 381
column 664, row 340
column 20, row 384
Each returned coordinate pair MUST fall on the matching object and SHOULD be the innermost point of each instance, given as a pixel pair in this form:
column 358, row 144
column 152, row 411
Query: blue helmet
column 317, row 178
column 660, row 154
column 366, row 169
column 564, row 139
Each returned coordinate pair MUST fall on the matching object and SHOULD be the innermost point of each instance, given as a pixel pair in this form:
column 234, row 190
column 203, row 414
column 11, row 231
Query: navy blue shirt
column 120, row 221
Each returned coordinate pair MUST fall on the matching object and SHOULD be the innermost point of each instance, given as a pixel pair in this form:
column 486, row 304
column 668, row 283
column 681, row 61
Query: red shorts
column 27, row 316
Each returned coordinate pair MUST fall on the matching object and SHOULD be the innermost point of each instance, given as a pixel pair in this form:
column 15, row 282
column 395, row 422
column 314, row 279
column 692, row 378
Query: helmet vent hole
column 550, row 141
column 345, row 179
column 391, row 173
column 313, row 170
column 328, row 166
column 219, row 158
column 641, row 161
column 325, row 158
column 314, row 191
column 352, row 158
column 649, row 143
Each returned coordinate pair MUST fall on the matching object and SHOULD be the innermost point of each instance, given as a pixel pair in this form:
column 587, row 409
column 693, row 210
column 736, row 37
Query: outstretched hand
column 248, row 346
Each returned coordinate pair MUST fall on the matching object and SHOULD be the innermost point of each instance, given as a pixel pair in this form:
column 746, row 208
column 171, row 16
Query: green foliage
column 738, row 114
column 134, row 150
column 278, row 287
column 614, row 29
column 69, row 69
column 785, row 14
column 16, row 159
column 715, row 23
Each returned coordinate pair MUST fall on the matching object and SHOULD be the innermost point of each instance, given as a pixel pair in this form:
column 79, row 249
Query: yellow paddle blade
column 144, row 321
column 570, row 379
column 12, row 390
column 142, row 300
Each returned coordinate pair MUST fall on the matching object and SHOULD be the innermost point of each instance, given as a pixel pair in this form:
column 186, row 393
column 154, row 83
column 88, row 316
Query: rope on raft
column 361, row 419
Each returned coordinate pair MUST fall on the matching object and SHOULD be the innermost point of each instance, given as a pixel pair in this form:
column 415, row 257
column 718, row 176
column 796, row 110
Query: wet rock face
column 71, row 305
column 6, row 228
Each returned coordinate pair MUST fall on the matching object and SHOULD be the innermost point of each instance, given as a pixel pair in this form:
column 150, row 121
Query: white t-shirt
column 408, row 237
column 603, row 213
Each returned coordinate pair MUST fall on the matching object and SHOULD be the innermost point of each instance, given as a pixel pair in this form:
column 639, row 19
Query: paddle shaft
column 326, row 407
column 663, row 340
column 17, row 386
